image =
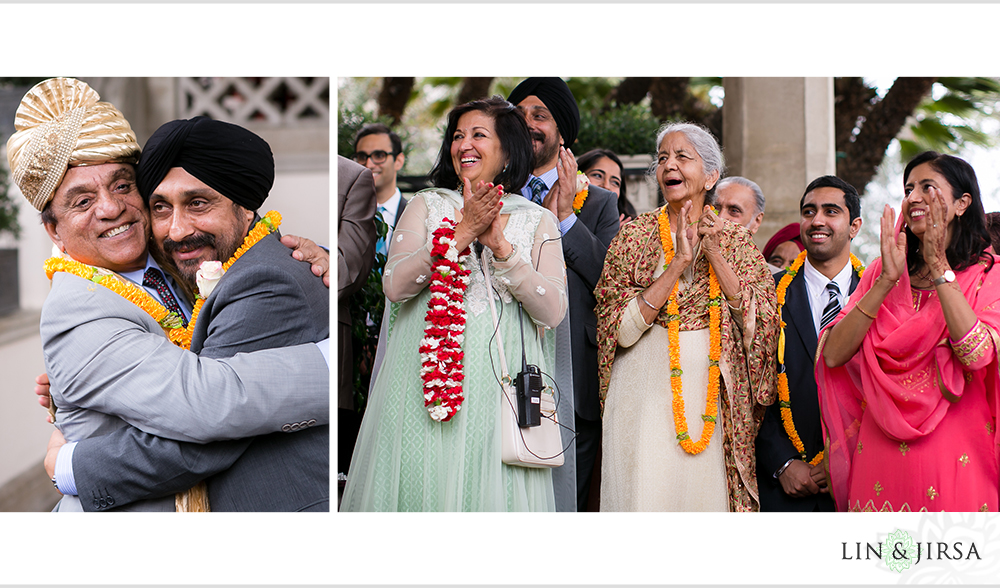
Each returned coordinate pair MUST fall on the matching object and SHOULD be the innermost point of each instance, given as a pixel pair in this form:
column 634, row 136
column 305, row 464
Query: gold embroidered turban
column 60, row 124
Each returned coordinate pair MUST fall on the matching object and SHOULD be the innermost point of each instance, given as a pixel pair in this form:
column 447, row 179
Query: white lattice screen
column 275, row 101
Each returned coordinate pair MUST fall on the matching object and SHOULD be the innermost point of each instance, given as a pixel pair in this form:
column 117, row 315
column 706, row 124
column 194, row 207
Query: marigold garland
column 169, row 321
column 441, row 348
column 714, row 351
column 582, row 193
column 194, row 499
column 784, row 397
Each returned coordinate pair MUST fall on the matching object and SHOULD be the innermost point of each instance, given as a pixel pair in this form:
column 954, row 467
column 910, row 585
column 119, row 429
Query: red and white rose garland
column 441, row 348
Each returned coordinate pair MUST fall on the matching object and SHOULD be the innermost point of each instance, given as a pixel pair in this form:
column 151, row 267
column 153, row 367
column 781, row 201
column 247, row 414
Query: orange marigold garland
column 169, row 321
column 714, row 351
column 784, row 398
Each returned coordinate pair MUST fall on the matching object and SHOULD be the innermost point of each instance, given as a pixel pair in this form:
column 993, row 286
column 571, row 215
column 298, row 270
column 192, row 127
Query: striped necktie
column 832, row 307
column 153, row 278
column 536, row 185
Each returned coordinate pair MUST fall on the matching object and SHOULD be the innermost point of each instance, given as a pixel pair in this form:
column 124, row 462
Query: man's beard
column 546, row 151
column 224, row 247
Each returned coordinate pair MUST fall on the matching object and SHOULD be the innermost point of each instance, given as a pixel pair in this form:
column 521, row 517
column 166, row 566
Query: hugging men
column 103, row 323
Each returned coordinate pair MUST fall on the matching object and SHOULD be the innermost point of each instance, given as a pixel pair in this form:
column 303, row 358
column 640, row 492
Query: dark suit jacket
column 267, row 299
column 399, row 211
column 774, row 447
column 584, row 248
column 356, row 206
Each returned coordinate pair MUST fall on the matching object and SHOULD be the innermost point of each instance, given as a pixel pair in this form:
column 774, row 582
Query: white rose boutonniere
column 582, row 191
column 208, row 276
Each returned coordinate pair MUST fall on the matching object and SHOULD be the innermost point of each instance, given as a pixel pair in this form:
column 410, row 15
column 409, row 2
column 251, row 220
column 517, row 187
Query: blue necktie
column 381, row 246
column 537, row 186
column 832, row 307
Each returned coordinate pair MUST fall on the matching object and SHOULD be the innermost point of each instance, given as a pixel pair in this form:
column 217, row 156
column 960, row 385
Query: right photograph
column 653, row 294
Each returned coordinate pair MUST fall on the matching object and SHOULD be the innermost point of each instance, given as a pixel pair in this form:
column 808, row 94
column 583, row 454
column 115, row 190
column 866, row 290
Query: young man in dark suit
column 553, row 120
column 831, row 217
column 381, row 151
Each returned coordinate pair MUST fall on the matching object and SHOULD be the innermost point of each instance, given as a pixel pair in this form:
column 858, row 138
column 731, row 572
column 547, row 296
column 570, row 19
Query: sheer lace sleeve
column 541, row 291
column 408, row 268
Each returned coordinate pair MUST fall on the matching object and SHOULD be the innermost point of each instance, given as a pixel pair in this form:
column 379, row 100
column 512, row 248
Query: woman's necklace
column 714, row 351
column 784, row 399
column 168, row 321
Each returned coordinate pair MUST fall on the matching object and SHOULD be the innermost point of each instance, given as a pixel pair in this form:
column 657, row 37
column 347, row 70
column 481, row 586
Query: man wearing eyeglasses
column 380, row 150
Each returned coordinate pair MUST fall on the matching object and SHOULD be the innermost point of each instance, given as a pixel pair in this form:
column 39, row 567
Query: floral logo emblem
column 899, row 551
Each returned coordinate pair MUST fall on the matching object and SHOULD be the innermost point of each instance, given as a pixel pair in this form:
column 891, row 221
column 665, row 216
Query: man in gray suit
column 355, row 257
column 553, row 120
column 72, row 157
column 203, row 180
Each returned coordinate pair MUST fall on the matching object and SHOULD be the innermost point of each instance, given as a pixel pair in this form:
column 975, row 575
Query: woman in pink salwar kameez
column 909, row 377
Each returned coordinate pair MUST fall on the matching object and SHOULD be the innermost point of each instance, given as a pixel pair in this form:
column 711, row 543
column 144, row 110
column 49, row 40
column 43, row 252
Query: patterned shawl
column 748, row 357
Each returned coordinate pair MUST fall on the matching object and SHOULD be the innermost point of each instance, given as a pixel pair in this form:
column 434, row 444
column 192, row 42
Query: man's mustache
column 537, row 136
column 189, row 243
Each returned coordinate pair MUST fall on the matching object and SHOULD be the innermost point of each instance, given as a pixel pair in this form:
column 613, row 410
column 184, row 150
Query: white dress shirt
column 816, row 287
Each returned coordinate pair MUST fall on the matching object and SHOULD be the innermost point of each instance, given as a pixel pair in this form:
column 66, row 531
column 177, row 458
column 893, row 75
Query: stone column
column 778, row 132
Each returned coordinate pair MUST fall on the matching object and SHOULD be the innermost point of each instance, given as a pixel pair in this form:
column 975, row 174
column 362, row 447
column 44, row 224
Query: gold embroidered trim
column 964, row 460
column 971, row 348
column 886, row 507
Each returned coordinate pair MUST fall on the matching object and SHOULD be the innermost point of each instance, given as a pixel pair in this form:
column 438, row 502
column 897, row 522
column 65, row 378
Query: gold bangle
column 857, row 305
column 646, row 302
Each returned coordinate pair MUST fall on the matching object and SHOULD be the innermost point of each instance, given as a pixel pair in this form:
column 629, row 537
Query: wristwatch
column 948, row 276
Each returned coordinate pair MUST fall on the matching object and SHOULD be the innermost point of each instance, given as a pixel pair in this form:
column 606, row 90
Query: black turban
column 230, row 159
column 555, row 95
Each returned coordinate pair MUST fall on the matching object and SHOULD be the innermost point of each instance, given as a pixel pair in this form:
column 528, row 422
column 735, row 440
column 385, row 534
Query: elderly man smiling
column 109, row 362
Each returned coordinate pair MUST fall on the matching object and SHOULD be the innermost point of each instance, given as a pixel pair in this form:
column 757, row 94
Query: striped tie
column 832, row 307
column 154, row 279
column 536, row 185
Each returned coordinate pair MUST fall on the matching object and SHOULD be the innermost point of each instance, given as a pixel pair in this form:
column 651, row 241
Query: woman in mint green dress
column 405, row 458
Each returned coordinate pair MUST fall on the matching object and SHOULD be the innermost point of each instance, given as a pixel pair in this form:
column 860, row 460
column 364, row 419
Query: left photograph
column 164, row 247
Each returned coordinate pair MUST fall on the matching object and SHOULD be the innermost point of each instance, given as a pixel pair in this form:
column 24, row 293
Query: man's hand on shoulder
column 45, row 397
column 306, row 250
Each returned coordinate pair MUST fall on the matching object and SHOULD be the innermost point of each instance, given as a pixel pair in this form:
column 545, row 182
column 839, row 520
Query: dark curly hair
column 515, row 143
column 970, row 237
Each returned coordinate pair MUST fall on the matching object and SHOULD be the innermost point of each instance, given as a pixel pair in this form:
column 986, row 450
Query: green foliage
column 626, row 130
column 953, row 120
column 8, row 208
column 366, row 306
column 591, row 90
column 349, row 122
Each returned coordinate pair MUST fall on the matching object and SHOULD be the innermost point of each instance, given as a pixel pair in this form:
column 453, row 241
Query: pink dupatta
column 905, row 375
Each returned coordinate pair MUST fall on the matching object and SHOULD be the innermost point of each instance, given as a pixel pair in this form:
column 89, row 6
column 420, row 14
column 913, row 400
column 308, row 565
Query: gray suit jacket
column 110, row 365
column 356, row 206
column 266, row 299
column 584, row 247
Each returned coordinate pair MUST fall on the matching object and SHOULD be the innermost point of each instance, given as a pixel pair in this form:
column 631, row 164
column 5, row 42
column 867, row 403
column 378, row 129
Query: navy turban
column 556, row 96
column 230, row 159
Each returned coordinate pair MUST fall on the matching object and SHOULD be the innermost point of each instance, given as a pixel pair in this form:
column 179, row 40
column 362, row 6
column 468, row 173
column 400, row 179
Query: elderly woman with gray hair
column 680, row 283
